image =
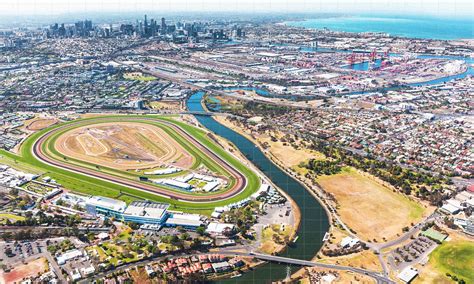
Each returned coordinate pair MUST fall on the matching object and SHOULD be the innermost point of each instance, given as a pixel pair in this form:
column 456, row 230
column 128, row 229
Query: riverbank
column 302, row 273
column 314, row 220
column 282, row 166
column 232, row 148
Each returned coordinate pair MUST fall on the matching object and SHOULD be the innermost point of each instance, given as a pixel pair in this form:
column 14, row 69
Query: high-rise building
column 163, row 26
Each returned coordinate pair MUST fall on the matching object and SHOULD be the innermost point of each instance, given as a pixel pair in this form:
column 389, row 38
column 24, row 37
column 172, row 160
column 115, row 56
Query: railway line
column 238, row 187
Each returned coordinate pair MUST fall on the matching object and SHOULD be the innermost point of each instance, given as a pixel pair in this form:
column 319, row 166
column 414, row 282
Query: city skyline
column 442, row 8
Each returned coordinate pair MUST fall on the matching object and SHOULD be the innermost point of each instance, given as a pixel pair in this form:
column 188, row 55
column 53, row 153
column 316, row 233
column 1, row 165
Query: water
column 413, row 27
column 314, row 221
column 364, row 66
column 268, row 94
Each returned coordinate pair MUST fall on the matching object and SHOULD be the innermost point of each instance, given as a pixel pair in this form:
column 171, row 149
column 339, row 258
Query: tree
column 201, row 230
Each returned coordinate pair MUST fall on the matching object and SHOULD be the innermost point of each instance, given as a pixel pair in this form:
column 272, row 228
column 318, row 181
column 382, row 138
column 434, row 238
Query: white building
column 215, row 228
column 408, row 274
column 71, row 254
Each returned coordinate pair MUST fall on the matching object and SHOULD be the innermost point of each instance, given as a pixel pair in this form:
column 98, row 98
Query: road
column 278, row 259
column 413, row 230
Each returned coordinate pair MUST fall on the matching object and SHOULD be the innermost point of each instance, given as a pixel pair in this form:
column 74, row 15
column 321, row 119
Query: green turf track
column 93, row 186
column 198, row 156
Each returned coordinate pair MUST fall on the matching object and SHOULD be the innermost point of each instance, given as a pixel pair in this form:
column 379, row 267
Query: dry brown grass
column 369, row 208
column 40, row 123
column 286, row 154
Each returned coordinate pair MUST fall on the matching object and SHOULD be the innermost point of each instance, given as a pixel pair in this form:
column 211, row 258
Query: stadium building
column 141, row 212
column 99, row 205
column 146, row 212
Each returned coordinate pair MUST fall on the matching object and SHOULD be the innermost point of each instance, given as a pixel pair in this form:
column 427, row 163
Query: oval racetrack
column 238, row 187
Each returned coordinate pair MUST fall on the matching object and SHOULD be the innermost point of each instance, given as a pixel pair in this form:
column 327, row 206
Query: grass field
column 13, row 218
column 455, row 258
column 369, row 208
column 89, row 185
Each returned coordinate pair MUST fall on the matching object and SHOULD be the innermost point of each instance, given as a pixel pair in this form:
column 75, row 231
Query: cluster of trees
column 323, row 167
column 264, row 109
column 243, row 217
column 404, row 179
column 455, row 278
column 61, row 247
column 181, row 241
column 20, row 201
column 42, row 219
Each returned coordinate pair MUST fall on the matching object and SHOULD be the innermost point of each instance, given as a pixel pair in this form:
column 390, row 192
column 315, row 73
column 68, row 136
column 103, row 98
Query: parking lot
column 19, row 251
column 412, row 253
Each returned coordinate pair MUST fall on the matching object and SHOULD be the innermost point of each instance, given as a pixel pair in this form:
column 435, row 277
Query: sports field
column 84, row 175
column 455, row 258
column 369, row 208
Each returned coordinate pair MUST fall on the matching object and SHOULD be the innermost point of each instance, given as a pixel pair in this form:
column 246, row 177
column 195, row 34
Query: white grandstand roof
column 146, row 209
column 109, row 203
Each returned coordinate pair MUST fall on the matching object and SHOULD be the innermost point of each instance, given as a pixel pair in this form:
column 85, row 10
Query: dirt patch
column 139, row 276
column 41, row 123
column 124, row 146
column 22, row 271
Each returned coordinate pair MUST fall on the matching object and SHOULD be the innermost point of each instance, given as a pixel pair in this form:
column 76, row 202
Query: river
column 314, row 221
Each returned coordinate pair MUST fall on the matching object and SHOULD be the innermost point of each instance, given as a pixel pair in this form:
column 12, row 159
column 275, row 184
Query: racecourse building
column 141, row 212
column 146, row 212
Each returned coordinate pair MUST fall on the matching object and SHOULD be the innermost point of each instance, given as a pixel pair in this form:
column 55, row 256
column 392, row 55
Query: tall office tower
column 146, row 30
column 163, row 25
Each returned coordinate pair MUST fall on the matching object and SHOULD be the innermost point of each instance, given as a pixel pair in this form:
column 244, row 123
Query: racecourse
column 38, row 151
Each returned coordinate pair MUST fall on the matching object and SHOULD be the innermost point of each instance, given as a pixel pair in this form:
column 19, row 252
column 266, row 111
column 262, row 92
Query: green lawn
column 13, row 218
column 89, row 185
column 455, row 258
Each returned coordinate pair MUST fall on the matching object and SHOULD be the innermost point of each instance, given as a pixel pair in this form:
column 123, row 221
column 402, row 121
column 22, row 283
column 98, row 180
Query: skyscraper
column 163, row 25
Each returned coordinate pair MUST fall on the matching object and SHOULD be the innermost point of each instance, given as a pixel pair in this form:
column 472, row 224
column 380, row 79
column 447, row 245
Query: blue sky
column 417, row 7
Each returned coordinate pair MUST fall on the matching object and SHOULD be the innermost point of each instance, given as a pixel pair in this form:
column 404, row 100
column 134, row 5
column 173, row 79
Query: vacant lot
column 369, row 208
column 19, row 272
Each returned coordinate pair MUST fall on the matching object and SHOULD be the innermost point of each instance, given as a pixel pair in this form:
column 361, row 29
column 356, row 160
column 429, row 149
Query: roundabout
column 117, row 156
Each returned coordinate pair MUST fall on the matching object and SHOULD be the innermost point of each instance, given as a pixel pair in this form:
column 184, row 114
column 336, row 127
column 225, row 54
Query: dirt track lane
column 239, row 186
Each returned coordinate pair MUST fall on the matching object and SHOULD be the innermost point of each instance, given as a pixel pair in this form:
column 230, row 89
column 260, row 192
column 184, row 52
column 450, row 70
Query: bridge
column 270, row 258
column 286, row 260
